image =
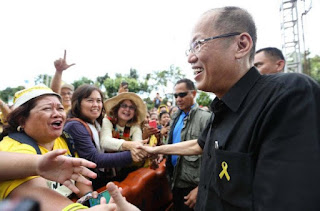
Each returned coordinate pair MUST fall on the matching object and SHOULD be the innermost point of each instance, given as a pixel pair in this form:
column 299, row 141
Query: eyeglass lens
column 131, row 107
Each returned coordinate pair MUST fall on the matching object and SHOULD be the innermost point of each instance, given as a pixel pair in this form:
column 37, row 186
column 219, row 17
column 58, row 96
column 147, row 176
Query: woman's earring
column 19, row 129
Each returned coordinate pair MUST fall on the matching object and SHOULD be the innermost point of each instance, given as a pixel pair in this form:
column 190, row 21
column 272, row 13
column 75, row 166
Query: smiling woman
column 84, row 125
column 121, row 127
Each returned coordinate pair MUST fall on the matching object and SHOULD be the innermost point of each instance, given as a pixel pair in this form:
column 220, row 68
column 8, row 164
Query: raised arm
column 60, row 65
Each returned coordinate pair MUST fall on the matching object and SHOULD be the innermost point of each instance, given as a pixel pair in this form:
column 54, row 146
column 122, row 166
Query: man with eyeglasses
column 260, row 150
column 187, row 124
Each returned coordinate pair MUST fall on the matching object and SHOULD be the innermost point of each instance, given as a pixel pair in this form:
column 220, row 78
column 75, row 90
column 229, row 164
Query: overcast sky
column 113, row 36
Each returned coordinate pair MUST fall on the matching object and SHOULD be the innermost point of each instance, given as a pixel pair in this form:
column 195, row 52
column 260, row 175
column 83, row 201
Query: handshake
column 142, row 150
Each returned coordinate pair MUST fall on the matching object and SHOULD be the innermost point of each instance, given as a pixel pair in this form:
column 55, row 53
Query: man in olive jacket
column 186, row 124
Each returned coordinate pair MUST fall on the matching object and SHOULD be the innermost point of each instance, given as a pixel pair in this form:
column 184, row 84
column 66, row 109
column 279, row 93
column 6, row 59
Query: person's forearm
column 190, row 147
column 56, row 82
column 17, row 165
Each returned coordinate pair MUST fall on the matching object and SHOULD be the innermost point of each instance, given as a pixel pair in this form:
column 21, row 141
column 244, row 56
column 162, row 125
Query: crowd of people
column 255, row 148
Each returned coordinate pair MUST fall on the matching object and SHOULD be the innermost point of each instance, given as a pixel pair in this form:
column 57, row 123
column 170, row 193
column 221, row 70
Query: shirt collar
column 182, row 112
column 235, row 96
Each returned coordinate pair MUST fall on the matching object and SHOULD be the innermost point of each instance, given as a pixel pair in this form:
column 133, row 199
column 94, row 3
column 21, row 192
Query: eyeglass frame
column 125, row 106
column 202, row 41
column 176, row 95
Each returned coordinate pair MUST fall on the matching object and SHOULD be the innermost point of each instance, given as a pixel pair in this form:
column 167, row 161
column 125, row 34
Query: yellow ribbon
column 224, row 171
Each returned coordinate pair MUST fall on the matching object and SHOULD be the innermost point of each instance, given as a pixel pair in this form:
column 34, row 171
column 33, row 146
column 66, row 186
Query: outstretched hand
column 56, row 166
column 61, row 64
column 118, row 199
column 148, row 149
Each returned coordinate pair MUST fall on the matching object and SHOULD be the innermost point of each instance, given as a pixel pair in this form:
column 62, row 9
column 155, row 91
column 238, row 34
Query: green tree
column 203, row 99
column 149, row 103
column 100, row 80
column 112, row 85
column 9, row 92
column 83, row 80
column 133, row 74
column 315, row 68
column 166, row 78
column 43, row 79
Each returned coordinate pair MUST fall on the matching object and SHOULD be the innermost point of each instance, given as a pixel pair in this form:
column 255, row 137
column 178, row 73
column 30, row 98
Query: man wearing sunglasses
column 187, row 124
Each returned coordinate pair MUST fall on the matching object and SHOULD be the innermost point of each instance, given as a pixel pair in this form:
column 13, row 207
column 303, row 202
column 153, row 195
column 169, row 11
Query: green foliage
column 43, row 79
column 133, row 74
column 149, row 103
column 315, row 68
column 9, row 93
column 83, row 80
column 203, row 99
column 112, row 85
column 166, row 78
column 100, row 79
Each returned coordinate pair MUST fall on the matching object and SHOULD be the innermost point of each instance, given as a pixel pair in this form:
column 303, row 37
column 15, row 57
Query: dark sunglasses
column 181, row 94
column 124, row 106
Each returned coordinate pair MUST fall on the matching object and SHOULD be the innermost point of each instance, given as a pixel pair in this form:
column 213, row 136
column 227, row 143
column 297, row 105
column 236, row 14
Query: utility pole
column 291, row 34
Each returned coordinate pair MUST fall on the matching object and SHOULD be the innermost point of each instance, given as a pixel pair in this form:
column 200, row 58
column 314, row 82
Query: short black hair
column 272, row 52
column 190, row 85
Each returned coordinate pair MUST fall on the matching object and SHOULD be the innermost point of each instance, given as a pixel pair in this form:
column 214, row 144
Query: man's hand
column 136, row 153
column 191, row 198
column 56, row 166
column 148, row 149
column 61, row 64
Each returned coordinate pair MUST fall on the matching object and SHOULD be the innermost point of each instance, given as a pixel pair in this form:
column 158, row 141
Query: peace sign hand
column 61, row 64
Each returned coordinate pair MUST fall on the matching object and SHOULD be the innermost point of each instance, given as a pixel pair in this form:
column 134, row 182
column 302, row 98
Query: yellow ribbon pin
column 224, row 171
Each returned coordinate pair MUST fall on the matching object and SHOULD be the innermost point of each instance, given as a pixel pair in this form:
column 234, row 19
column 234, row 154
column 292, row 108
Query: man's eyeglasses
column 181, row 94
column 124, row 106
column 196, row 45
column 66, row 93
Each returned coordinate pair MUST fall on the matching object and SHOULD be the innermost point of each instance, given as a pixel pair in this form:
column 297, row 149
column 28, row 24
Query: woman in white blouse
column 121, row 129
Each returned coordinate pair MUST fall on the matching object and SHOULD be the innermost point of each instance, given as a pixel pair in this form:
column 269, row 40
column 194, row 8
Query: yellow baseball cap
column 25, row 95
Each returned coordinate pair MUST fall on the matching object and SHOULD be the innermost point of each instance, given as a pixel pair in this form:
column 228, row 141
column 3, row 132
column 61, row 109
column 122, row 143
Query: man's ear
column 280, row 65
column 194, row 93
column 244, row 44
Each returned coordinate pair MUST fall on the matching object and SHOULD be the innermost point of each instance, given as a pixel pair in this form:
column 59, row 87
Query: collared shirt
column 261, row 151
column 177, row 133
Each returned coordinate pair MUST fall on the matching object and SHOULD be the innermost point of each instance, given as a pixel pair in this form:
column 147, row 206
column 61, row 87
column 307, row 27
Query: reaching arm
column 183, row 148
column 53, row 166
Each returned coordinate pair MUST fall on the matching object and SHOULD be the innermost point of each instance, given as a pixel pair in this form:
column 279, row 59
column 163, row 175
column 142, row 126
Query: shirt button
column 209, row 156
column 205, row 186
